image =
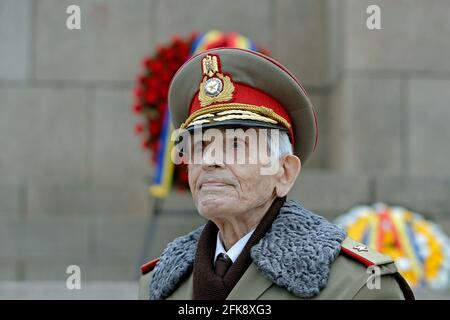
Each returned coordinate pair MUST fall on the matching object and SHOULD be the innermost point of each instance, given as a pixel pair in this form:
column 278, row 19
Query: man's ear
column 290, row 166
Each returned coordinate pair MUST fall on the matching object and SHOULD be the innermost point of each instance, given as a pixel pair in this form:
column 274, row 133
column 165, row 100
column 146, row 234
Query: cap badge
column 215, row 86
column 210, row 65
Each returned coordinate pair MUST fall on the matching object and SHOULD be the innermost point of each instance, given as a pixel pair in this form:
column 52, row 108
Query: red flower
column 166, row 77
column 156, row 66
column 155, row 128
column 176, row 39
column 147, row 62
column 138, row 92
column 139, row 128
column 145, row 144
column 137, row 108
column 183, row 50
column 168, row 54
column 163, row 90
column 151, row 96
column 162, row 108
column 160, row 50
column 151, row 82
column 141, row 79
column 173, row 67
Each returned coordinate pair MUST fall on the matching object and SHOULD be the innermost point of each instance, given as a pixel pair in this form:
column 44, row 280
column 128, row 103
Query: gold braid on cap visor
column 229, row 111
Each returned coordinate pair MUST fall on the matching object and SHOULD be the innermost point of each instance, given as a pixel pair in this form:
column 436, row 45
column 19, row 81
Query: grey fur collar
column 296, row 254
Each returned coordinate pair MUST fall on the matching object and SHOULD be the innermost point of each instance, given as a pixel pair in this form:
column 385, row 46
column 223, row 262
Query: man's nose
column 212, row 158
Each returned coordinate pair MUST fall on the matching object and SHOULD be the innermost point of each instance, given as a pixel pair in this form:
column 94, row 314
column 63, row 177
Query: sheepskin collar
column 296, row 254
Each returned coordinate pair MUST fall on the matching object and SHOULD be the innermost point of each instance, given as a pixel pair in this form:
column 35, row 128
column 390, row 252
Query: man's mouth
column 213, row 184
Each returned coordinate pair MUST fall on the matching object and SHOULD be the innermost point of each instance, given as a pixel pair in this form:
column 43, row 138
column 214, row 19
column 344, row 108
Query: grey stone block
column 368, row 124
column 115, row 148
column 320, row 156
column 8, row 238
column 429, row 131
column 306, row 39
column 15, row 39
column 41, row 248
column 43, row 134
column 426, row 195
column 118, row 240
column 54, row 270
column 11, row 196
column 179, row 202
column 251, row 18
column 330, row 193
column 171, row 227
column 443, row 221
column 113, row 38
column 54, row 290
column 46, row 238
column 86, row 199
column 125, row 271
column 7, row 270
column 413, row 36
column 92, row 270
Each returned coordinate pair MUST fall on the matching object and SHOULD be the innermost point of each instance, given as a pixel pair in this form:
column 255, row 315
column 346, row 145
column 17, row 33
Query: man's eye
column 237, row 143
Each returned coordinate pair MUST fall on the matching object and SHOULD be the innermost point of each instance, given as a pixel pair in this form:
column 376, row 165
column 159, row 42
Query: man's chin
column 214, row 205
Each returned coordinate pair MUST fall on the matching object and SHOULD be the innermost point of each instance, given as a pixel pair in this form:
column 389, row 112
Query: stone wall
column 73, row 179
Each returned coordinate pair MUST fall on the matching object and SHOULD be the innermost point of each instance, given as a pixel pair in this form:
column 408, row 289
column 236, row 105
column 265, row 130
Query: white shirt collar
column 235, row 250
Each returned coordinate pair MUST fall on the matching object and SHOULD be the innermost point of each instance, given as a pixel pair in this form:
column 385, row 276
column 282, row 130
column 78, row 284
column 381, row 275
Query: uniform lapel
column 250, row 286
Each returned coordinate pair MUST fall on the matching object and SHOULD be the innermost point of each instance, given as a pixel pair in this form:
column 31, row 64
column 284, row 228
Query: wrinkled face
column 221, row 188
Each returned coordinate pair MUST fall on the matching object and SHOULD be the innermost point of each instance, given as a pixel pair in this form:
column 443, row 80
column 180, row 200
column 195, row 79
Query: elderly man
column 246, row 127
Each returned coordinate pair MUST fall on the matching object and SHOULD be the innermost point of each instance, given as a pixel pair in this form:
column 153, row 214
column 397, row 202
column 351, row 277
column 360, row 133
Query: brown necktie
column 223, row 263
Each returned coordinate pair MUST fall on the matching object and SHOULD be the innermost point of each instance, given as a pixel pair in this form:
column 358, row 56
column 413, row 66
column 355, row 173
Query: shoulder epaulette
column 363, row 253
column 149, row 266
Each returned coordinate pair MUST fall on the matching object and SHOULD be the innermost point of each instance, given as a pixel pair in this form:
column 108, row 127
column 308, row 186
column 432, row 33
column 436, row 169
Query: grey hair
column 284, row 145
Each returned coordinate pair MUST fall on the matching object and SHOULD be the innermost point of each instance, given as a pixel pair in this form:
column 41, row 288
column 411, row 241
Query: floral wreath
column 419, row 247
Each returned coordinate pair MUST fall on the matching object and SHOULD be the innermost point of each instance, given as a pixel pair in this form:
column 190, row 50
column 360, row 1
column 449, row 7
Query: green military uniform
column 348, row 280
column 298, row 255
